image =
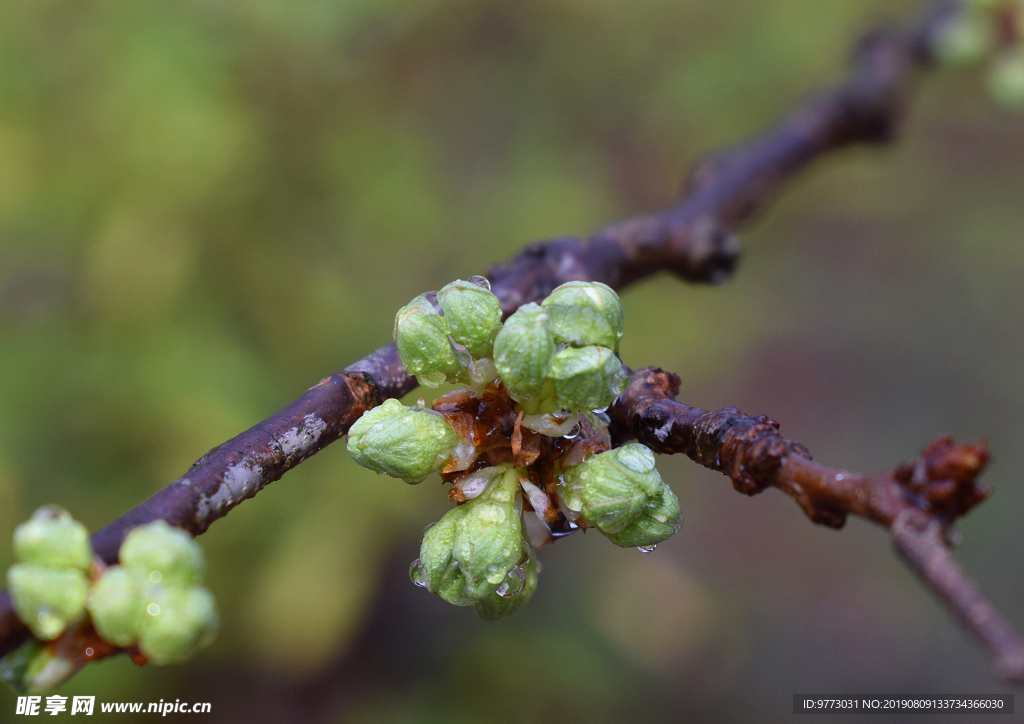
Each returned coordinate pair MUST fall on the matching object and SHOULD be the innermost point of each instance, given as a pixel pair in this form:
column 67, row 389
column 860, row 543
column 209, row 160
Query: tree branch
column 917, row 501
column 693, row 239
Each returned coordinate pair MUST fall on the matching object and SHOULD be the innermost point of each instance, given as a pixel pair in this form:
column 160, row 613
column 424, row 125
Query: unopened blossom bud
column 473, row 316
column 436, row 569
column 421, row 336
column 585, row 313
column 177, row 622
column 47, row 599
column 587, row 378
column 52, row 538
column 34, row 668
column 519, row 588
column 403, row 442
column 163, row 554
column 116, row 604
column 659, row 521
column 471, row 551
column 523, row 351
column 614, row 490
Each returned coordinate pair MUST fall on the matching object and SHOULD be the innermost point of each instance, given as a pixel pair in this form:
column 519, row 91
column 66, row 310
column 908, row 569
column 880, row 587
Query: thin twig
column 693, row 239
column 917, row 501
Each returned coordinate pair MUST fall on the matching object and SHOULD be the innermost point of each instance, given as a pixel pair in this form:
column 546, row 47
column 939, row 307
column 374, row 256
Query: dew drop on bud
column 647, row 549
column 513, row 584
column 573, row 433
column 418, row 574
column 480, row 281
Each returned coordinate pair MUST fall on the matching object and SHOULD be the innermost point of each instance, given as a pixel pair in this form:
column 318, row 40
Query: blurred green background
column 207, row 207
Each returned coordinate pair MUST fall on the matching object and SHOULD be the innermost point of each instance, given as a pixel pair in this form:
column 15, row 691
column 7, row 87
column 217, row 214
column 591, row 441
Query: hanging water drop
column 418, row 574
column 513, row 584
column 480, row 281
column 647, row 549
column 573, row 433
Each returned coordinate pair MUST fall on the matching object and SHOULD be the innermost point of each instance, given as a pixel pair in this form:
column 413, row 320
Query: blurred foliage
column 207, row 207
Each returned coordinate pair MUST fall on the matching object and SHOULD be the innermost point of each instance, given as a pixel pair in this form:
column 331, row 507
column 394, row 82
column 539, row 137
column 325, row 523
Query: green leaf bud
column 177, row 622
column 34, row 668
column 470, row 552
column 403, row 442
column 587, row 378
column 585, row 313
column 116, row 605
column 53, row 539
column 47, row 599
column 504, row 603
column 163, row 554
column 1006, row 81
column 421, row 335
column 614, row 490
column 523, row 351
column 473, row 316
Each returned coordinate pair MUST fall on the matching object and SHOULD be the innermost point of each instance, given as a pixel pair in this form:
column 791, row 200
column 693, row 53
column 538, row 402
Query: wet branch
column 918, row 501
column 693, row 239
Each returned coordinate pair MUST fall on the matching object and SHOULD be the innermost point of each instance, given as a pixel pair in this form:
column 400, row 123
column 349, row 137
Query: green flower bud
column 116, row 605
column 53, row 539
column 470, row 552
column 47, row 599
column 620, row 493
column 34, row 668
column 587, row 378
column 659, row 521
column 403, row 442
column 473, row 316
column 436, row 569
column 523, row 351
column 1006, row 81
column 163, row 554
column 504, row 603
column 177, row 622
column 585, row 313
column 421, row 335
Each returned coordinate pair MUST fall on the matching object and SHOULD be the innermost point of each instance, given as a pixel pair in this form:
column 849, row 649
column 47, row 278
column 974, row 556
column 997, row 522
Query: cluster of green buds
column 547, row 372
column 988, row 30
column 560, row 354
column 445, row 337
column 154, row 598
column 476, row 554
column 50, row 583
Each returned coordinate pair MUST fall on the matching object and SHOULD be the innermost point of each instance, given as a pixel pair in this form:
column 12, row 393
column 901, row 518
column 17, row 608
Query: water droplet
column 573, row 433
column 156, row 576
column 480, row 281
column 88, row 651
column 43, row 617
column 646, row 549
column 494, row 575
column 513, row 584
column 424, row 533
column 418, row 574
column 153, row 609
column 600, row 410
